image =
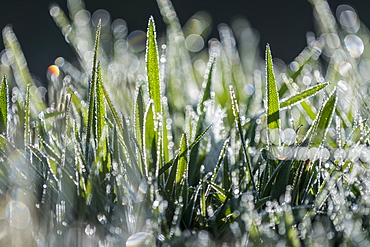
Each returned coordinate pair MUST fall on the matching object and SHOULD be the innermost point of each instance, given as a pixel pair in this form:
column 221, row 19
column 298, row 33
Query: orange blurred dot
column 53, row 69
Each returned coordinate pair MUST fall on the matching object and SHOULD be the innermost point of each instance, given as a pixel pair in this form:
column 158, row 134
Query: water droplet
column 288, row 136
column 139, row 239
column 294, row 66
column 137, row 40
column 306, row 80
column 249, row 89
column 19, row 214
column 354, row 45
column 82, row 18
column 54, row 70
column 194, row 42
column 348, row 18
column 54, row 10
column 90, row 230
column 342, row 85
column 332, row 40
column 101, row 14
column 101, row 218
column 344, row 68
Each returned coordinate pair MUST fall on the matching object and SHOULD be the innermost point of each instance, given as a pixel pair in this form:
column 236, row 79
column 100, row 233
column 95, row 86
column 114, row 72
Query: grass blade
column 246, row 160
column 272, row 97
column 4, row 106
column 295, row 99
column 100, row 104
column 183, row 161
column 319, row 128
column 152, row 67
column 92, row 93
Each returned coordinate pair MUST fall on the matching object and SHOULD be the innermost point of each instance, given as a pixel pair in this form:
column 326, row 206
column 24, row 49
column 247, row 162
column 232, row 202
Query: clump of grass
column 146, row 149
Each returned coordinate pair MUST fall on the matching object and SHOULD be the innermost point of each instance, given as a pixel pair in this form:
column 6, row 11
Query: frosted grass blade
column 272, row 97
column 100, row 104
column 183, row 161
column 20, row 68
column 4, row 106
column 299, row 97
column 92, row 94
column 246, row 160
column 206, row 87
column 27, row 118
column 319, row 128
column 153, row 68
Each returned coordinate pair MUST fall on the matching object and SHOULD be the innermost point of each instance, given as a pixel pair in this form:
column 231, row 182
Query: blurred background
column 281, row 23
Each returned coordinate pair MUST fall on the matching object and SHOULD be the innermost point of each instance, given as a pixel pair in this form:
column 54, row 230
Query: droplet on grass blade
column 354, row 45
column 54, row 70
column 19, row 214
column 139, row 239
column 101, row 218
column 90, row 230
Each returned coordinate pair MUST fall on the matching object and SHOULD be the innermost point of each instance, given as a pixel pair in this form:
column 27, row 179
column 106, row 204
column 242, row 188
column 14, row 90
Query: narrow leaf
column 272, row 97
column 100, row 105
column 92, row 89
column 295, row 99
column 246, row 160
column 183, row 160
column 4, row 105
column 152, row 67
column 319, row 128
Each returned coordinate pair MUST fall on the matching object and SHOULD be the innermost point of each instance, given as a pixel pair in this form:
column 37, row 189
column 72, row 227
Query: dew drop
column 139, row 239
column 101, row 218
column 354, row 45
column 90, row 230
column 194, row 42
column 294, row 66
column 342, row 85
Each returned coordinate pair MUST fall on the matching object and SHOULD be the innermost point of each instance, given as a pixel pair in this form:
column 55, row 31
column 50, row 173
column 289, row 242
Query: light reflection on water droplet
column 101, row 218
column 101, row 14
column 354, row 45
column 140, row 239
column 332, row 40
column 348, row 18
column 137, row 40
column 288, row 136
column 294, row 66
column 19, row 214
column 342, row 85
column 344, row 68
column 82, row 18
column 306, row 80
column 194, row 42
column 90, row 230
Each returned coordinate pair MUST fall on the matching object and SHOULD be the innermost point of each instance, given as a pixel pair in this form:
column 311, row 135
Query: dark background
column 282, row 23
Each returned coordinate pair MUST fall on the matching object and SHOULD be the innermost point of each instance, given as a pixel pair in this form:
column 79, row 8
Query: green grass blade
column 4, row 106
column 319, row 128
column 183, row 160
column 272, row 97
column 112, row 108
column 236, row 113
column 139, row 117
column 150, row 155
column 206, row 87
column 295, row 99
column 20, row 68
column 100, row 104
column 152, row 67
column 27, row 118
column 92, row 93
column 171, row 162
